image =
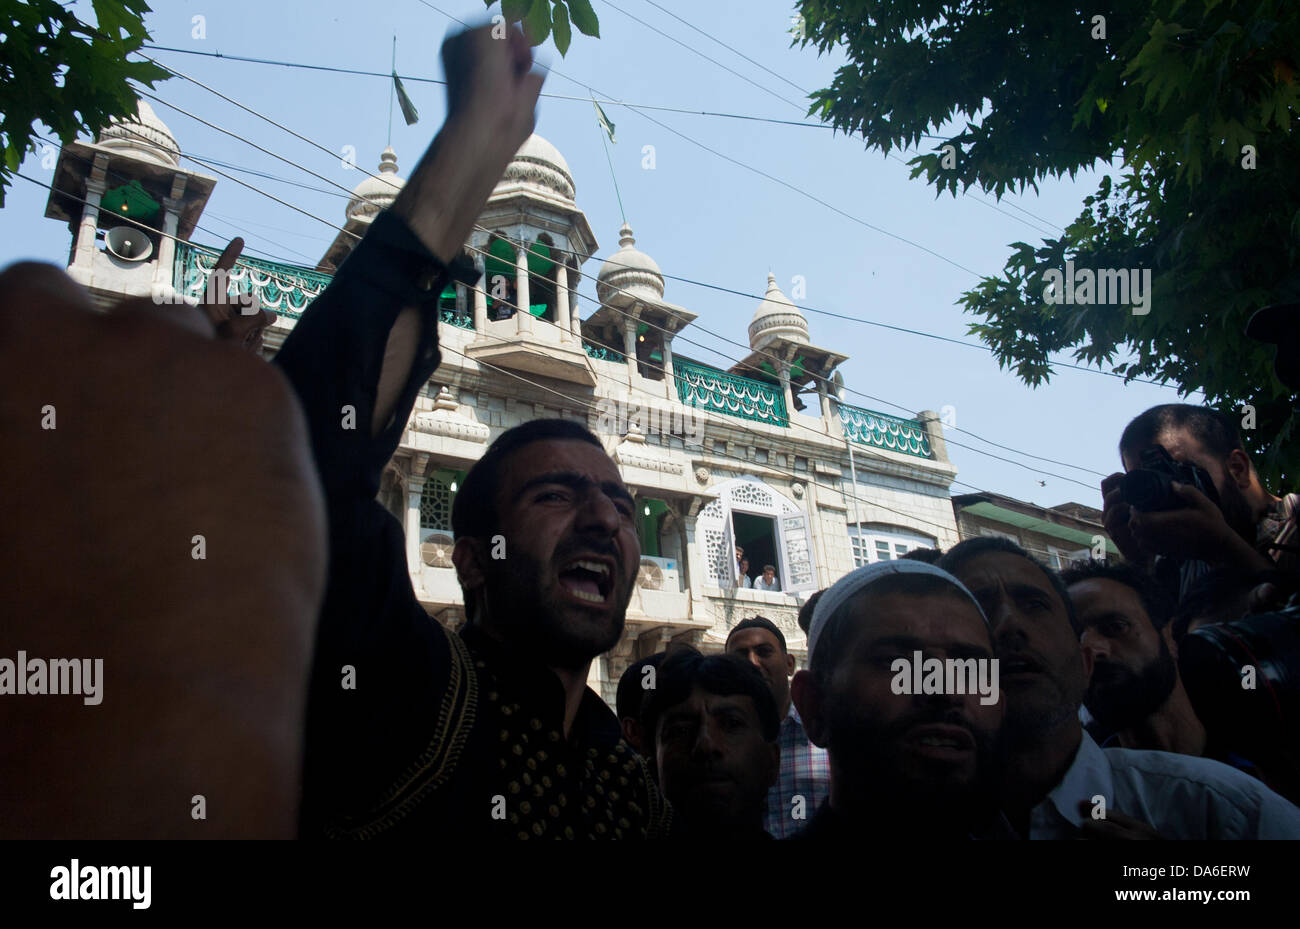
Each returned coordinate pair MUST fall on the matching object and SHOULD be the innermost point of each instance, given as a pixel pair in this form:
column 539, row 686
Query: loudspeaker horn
column 128, row 243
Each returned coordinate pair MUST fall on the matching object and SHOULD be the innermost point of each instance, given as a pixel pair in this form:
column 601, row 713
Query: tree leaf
column 584, row 17
column 515, row 10
column 560, row 28
column 1175, row 101
column 537, row 24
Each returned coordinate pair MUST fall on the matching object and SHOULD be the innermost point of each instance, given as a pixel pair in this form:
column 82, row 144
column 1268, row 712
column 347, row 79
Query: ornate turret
column 128, row 190
column 781, row 351
column 146, row 138
column 529, row 243
column 629, row 270
column 776, row 318
column 376, row 193
column 369, row 197
column 538, row 167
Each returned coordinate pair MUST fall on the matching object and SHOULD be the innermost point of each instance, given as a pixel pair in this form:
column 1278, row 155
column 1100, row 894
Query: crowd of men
column 1150, row 697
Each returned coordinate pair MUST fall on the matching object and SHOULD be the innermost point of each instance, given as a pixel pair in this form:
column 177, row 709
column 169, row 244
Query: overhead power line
column 583, row 274
column 684, row 338
column 298, row 135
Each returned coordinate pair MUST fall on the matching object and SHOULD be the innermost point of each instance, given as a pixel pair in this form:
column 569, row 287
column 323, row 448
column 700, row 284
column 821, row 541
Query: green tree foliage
column 56, row 69
column 542, row 18
column 1173, row 100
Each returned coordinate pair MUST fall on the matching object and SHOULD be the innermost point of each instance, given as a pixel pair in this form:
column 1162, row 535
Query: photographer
column 1156, row 509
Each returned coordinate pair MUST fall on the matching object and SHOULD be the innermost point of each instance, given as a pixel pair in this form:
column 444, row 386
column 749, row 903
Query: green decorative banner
column 286, row 289
column 867, row 427
column 729, row 394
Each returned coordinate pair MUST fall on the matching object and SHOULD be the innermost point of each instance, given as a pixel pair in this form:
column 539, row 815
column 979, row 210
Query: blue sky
column 697, row 214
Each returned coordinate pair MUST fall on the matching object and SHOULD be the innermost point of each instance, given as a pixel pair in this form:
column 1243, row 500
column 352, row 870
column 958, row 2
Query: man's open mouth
column 938, row 736
column 588, row 579
column 1012, row 665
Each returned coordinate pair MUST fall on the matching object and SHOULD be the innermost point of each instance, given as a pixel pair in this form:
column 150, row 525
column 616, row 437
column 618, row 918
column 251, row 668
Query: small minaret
column 780, row 349
column 633, row 317
column 369, row 197
column 125, row 198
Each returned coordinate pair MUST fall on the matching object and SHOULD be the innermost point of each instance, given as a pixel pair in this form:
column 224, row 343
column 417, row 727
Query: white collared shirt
column 1180, row 796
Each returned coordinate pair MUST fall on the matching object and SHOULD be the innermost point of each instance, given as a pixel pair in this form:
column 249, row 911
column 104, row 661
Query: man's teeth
column 589, row 597
column 595, row 566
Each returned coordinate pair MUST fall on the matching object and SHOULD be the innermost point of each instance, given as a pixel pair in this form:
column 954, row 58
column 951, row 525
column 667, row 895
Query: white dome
column 374, row 194
column 629, row 269
column 146, row 137
column 777, row 316
column 539, row 164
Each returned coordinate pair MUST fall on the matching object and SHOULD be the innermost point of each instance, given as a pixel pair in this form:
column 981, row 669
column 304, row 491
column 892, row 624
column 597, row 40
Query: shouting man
column 492, row 732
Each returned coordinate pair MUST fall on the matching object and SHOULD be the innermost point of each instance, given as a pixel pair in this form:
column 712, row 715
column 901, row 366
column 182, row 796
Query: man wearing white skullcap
column 912, row 754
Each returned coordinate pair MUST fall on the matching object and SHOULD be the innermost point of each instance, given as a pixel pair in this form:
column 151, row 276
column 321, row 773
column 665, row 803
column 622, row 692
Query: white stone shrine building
column 766, row 454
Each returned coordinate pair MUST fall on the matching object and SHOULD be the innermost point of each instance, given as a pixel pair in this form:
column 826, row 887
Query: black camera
column 1147, row 489
column 1243, row 678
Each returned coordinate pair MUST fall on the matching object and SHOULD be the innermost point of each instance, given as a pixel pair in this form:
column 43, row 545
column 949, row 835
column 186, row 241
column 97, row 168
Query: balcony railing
column 867, row 427
column 601, row 353
column 729, row 394
column 286, row 289
column 452, row 318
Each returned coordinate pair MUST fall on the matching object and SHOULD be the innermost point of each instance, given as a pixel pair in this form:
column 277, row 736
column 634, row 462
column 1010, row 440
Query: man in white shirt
column 745, row 580
column 1055, row 771
column 768, row 581
column 1181, row 796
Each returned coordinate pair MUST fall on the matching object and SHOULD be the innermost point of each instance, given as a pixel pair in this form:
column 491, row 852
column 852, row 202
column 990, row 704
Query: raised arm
column 362, row 350
column 358, row 358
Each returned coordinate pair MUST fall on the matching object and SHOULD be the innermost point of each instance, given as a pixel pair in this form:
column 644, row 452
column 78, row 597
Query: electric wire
column 584, row 274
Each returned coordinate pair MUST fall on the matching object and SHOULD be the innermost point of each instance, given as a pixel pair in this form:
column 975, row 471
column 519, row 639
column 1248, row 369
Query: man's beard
column 868, row 753
column 1125, row 698
column 1236, row 510
column 533, row 621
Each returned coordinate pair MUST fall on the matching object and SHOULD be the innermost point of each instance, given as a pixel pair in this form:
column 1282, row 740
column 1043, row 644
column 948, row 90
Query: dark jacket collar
column 595, row 725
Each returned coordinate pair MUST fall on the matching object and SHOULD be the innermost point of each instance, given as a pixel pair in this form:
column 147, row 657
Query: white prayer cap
column 853, row 583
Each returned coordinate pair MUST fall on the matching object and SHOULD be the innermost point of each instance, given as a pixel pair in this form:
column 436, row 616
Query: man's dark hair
column 723, row 675
column 1154, row 599
column 806, row 611
column 759, row 622
column 1217, row 432
column 963, row 552
column 926, row 555
column 769, row 567
column 834, row 637
column 474, row 511
column 631, row 694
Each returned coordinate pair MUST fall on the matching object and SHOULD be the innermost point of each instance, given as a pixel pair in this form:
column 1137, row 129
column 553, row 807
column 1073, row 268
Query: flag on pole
column 603, row 121
column 409, row 112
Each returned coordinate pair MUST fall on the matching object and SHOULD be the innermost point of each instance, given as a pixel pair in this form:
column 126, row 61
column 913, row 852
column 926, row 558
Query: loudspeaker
column 128, row 243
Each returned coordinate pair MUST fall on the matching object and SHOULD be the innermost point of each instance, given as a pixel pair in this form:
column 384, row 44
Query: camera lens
column 1212, row 661
column 1144, row 490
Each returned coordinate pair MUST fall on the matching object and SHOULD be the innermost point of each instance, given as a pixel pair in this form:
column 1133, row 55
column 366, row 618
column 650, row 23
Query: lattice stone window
column 744, row 500
column 435, row 506
column 751, row 493
column 721, row 567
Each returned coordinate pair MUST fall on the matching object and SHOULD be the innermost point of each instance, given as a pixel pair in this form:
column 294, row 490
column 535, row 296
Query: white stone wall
column 894, row 490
